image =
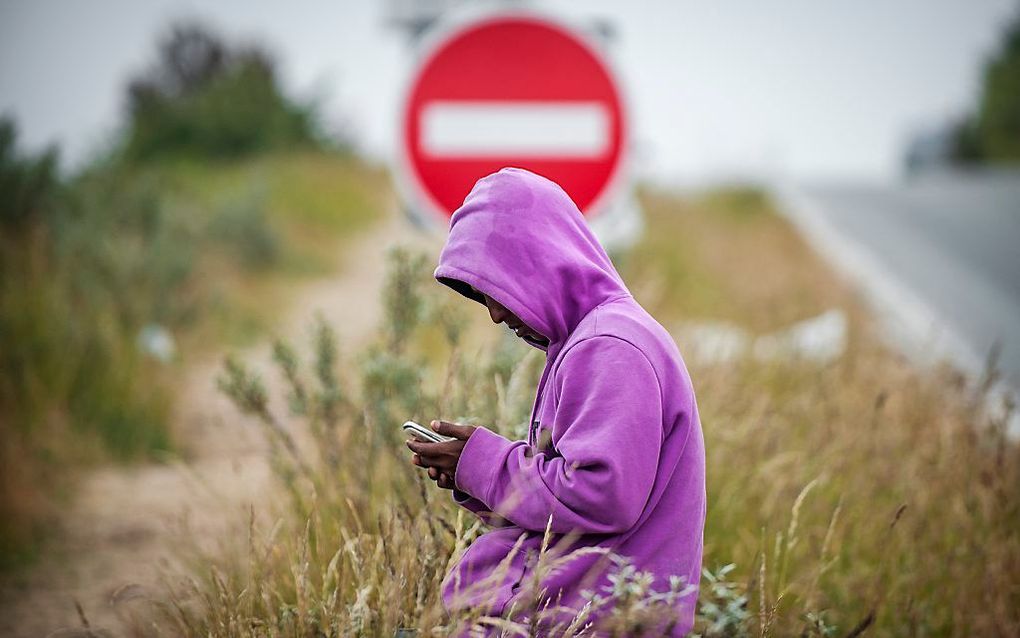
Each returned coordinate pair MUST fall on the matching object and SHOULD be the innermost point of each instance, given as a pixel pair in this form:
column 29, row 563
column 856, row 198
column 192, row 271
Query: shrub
column 204, row 97
column 92, row 264
column 28, row 185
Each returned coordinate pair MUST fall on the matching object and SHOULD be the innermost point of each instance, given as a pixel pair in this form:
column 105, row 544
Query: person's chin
column 535, row 341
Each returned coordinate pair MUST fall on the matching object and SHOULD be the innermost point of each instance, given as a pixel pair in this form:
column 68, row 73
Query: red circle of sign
column 515, row 59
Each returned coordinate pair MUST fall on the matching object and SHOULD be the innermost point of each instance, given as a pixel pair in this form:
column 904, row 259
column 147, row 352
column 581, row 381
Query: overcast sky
column 809, row 89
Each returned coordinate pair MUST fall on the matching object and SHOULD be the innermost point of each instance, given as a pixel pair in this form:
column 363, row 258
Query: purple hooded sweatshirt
column 615, row 452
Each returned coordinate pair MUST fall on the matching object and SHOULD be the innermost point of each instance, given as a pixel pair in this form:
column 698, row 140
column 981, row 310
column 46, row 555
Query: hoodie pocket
column 487, row 576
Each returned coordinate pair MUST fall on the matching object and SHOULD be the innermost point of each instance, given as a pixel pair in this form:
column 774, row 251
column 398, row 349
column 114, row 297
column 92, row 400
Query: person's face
column 500, row 314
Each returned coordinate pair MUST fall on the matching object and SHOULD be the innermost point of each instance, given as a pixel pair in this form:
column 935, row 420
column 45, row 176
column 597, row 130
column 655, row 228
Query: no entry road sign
column 511, row 90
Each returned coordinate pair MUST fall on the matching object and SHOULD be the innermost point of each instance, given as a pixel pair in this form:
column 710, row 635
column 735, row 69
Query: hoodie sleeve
column 608, row 431
column 479, row 509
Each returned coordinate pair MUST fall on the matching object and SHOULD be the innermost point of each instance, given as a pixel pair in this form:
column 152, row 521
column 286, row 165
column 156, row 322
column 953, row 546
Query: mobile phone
column 424, row 434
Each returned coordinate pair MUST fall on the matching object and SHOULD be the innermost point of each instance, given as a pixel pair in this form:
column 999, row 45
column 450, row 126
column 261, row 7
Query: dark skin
column 440, row 459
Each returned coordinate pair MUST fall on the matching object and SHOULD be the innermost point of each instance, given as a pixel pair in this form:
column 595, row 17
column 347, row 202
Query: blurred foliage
column 174, row 233
column 27, row 184
column 243, row 225
column 67, row 368
column 88, row 263
column 712, row 263
column 205, row 97
column 992, row 134
column 59, row 328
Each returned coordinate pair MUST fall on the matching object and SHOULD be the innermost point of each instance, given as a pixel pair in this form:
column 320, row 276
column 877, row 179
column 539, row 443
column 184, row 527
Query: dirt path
column 126, row 524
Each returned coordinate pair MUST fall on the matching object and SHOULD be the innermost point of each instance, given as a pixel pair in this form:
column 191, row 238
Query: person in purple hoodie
column 615, row 456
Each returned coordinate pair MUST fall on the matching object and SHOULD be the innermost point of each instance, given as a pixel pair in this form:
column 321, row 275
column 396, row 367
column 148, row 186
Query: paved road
column 952, row 240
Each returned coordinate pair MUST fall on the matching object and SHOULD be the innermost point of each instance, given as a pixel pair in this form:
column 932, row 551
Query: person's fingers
column 446, row 428
column 442, row 456
column 428, row 462
column 441, row 465
column 445, row 481
column 434, row 473
column 414, row 445
column 435, row 449
column 446, row 448
column 424, row 451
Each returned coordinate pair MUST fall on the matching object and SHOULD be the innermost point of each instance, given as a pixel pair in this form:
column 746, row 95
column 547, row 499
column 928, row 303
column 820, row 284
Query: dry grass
column 860, row 496
column 876, row 440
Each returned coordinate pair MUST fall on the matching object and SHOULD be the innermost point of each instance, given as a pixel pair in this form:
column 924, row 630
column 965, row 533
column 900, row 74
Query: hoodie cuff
column 478, row 508
column 479, row 462
column 467, row 501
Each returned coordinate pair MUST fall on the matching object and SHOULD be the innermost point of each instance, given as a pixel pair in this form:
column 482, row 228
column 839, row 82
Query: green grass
column 209, row 250
column 275, row 220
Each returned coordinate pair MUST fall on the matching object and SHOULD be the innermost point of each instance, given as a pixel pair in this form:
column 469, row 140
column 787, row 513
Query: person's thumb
column 446, row 428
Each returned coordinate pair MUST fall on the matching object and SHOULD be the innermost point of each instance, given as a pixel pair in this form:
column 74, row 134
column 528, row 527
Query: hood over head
column 520, row 239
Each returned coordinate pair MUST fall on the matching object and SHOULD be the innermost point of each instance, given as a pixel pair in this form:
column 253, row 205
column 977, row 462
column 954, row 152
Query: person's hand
column 441, row 458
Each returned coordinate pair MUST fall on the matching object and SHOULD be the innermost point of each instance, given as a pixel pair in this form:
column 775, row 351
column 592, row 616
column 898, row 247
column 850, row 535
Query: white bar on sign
column 533, row 129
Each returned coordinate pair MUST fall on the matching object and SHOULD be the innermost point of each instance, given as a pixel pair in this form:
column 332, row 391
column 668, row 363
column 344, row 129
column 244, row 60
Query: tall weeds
column 856, row 497
column 91, row 264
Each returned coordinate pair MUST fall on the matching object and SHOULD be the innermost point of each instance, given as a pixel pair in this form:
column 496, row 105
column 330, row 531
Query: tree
column 992, row 133
column 205, row 97
column 998, row 117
